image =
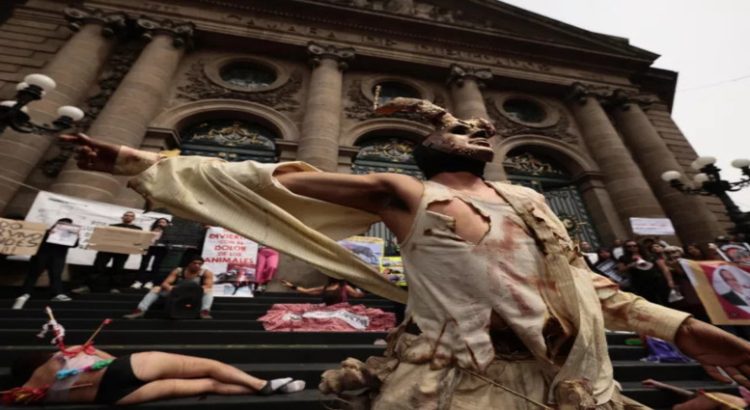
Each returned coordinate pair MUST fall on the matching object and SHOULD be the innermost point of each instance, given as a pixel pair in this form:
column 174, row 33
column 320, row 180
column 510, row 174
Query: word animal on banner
column 723, row 288
column 20, row 237
column 232, row 259
column 48, row 208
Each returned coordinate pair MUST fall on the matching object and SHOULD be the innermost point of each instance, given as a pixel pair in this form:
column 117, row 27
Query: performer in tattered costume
column 510, row 316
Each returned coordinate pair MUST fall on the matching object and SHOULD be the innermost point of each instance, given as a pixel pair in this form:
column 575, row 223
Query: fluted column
column 625, row 183
column 690, row 216
column 74, row 68
column 321, row 126
column 465, row 84
column 138, row 98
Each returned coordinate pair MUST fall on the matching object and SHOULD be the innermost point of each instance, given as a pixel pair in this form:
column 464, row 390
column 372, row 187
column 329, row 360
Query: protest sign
column 232, row 259
column 723, row 288
column 20, row 237
column 367, row 248
column 651, row 226
column 393, row 268
column 738, row 253
column 120, row 240
column 64, row 234
column 49, row 207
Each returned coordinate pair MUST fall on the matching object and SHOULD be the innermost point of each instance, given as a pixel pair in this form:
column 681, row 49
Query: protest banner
column 368, row 248
column 232, row 258
column 393, row 268
column 20, row 237
column 48, row 208
column 120, row 240
column 723, row 288
column 651, row 226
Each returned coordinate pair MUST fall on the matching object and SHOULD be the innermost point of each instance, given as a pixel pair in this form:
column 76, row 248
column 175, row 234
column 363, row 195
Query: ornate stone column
column 466, row 85
column 319, row 143
column 691, row 218
column 628, row 189
column 74, row 68
column 125, row 117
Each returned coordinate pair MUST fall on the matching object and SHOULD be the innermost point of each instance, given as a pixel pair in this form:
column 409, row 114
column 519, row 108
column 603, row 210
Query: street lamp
column 14, row 114
column 709, row 182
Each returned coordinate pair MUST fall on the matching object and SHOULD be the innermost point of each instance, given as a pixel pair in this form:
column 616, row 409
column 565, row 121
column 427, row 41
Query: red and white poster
column 232, row 259
column 723, row 288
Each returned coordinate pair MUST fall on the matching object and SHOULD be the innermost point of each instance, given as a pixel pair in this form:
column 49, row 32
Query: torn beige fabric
column 245, row 198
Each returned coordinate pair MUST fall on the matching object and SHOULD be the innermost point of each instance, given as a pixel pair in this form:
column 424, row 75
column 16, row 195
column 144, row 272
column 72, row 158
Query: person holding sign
column 50, row 256
column 510, row 316
column 102, row 259
column 157, row 251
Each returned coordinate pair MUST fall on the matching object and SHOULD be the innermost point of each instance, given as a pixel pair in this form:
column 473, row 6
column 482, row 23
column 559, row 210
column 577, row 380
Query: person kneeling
column 192, row 273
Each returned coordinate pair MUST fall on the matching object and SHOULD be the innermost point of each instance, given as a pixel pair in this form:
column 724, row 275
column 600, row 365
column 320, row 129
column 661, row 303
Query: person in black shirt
column 157, row 251
column 49, row 256
column 102, row 259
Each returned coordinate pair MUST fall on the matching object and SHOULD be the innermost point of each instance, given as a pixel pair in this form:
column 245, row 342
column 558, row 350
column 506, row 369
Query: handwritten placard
column 120, row 240
column 20, row 237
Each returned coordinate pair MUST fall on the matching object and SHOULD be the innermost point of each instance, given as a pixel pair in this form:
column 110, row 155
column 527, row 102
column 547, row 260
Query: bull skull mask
column 466, row 138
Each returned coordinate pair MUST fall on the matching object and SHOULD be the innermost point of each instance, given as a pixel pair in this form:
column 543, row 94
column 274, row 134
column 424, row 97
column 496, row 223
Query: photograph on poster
column 723, row 288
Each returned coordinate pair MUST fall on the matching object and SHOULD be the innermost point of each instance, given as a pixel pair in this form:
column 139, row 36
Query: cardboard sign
column 49, row 207
column 20, row 237
column 651, row 226
column 723, row 288
column 120, row 240
column 64, row 234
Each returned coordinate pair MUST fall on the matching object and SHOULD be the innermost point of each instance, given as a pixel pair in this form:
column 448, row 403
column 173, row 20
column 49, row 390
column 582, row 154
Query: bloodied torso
column 462, row 291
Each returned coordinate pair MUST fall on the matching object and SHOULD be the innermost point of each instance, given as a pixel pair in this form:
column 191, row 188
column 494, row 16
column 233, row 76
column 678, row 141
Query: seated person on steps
column 193, row 272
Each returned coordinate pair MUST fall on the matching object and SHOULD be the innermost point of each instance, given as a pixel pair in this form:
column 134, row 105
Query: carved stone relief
column 507, row 127
column 197, row 86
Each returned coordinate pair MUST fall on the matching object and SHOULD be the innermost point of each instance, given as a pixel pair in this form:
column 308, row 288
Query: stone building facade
column 582, row 117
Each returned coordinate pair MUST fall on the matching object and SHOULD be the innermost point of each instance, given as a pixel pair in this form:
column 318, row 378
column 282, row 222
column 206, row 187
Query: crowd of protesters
column 650, row 267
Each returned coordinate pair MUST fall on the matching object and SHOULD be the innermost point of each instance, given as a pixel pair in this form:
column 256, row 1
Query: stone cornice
column 181, row 32
column 113, row 23
column 317, row 52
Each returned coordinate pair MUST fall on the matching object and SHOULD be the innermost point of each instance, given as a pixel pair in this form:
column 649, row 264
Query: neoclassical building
column 582, row 117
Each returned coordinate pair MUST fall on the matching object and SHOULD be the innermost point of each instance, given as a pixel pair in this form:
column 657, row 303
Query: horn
column 437, row 115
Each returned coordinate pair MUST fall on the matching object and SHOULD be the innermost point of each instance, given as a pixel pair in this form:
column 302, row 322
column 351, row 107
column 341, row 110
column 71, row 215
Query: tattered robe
column 245, row 198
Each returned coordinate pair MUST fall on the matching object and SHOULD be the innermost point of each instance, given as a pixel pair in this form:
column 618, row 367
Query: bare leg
column 150, row 366
column 170, row 388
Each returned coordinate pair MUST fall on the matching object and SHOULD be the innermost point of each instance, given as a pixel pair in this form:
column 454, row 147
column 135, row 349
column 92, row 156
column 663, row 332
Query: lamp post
column 709, row 182
column 14, row 114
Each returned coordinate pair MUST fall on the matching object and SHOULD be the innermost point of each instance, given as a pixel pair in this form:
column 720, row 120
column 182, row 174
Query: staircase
column 234, row 336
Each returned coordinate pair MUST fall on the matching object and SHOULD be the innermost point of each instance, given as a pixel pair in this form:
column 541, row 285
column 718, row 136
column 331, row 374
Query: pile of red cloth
column 341, row 317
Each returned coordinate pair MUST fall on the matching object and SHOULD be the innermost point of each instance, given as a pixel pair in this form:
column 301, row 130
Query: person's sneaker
column 136, row 285
column 114, row 290
column 20, row 301
column 81, row 290
column 205, row 314
column 135, row 315
column 148, row 285
column 61, row 298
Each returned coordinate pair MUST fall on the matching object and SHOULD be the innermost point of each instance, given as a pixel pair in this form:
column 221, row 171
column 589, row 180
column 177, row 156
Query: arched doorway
column 385, row 153
column 548, row 177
